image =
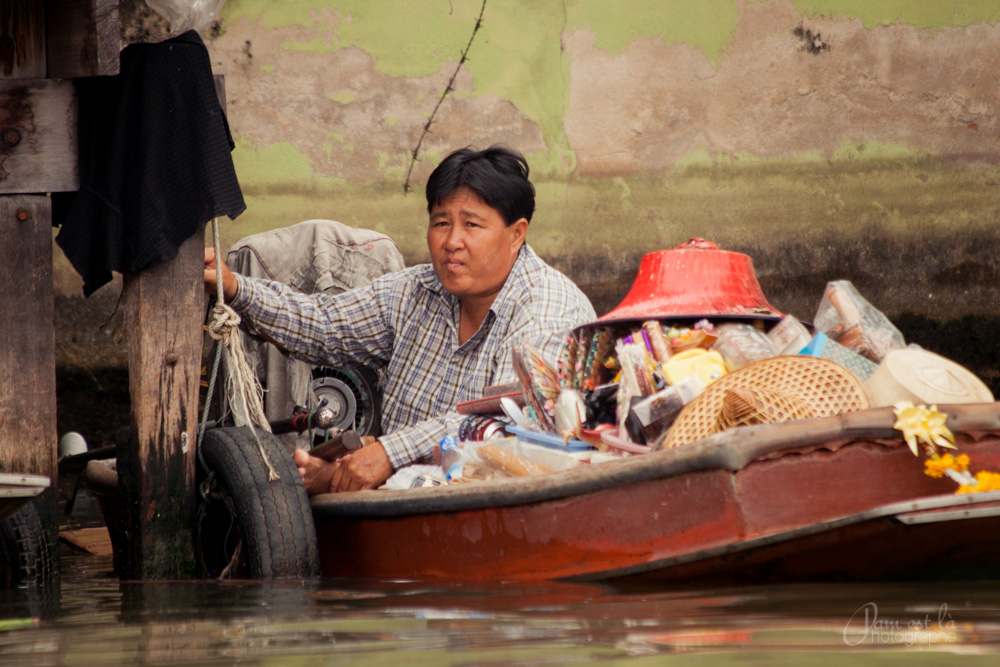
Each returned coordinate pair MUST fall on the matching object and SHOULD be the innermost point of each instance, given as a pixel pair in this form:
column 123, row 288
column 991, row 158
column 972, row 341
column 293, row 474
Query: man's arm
column 341, row 329
column 416, row 443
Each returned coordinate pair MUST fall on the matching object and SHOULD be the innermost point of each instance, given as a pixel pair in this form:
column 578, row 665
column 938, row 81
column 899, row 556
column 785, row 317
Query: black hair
column 498, row 175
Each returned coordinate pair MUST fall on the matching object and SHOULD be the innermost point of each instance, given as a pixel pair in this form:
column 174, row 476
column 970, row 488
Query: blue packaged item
column 822, row 346
column 547, row 439
column 451, row 457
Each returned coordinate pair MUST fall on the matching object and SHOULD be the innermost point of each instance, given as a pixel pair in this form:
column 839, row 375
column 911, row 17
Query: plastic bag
column 847, row 318
column 739, row 344
column 509, row 457
column 184, row 15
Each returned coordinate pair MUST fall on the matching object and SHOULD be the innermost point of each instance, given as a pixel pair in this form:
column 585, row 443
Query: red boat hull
column 818, row 501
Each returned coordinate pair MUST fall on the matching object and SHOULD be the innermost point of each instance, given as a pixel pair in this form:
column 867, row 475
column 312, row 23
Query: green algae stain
column 516, row 55
column 849, row 151
column 392, row 169
column 696, row 159
column 522, row 61
column 343, row 96
column 280, row 165
column 404, row 38
column 918, row 13
column 706, row 25
column 267, row 69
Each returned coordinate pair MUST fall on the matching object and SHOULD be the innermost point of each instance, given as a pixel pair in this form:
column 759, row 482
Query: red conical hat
column 694, row 280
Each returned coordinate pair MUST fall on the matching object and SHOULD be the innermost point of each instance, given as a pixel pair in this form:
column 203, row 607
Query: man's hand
column 366, row 468
column 229, row 284
column 316, row 473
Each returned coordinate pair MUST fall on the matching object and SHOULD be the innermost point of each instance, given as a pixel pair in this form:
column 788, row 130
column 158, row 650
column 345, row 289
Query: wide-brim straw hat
column 768, row 391
column 921, row 376
column 694, row 280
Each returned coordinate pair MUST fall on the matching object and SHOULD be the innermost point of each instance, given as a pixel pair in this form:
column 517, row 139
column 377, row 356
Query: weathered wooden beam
column 38, row 151
column 22, row 39
column 165, row 307
column 82, row 38
column 27, row 337
column 28, row 439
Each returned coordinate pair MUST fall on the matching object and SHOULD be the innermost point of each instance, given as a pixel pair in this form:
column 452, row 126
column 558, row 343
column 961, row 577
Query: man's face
column 471, row 248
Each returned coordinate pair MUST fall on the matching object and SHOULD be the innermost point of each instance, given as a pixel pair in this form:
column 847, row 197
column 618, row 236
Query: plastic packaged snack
column 847, row 318
column 509, row 457
column 789, row 336
column 650, row 417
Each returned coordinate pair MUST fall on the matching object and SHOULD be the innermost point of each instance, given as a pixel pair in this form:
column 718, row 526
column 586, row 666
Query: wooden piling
column 164, row 310
column 27, row 345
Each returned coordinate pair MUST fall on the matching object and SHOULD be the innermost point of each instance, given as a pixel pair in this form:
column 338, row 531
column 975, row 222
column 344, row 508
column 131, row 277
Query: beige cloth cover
column 311, row 256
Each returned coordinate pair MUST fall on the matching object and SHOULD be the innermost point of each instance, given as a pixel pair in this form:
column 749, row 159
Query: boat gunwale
column 731, row 450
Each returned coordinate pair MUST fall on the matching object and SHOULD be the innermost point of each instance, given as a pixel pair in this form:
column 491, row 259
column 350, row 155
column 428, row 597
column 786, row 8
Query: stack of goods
column 696, row 349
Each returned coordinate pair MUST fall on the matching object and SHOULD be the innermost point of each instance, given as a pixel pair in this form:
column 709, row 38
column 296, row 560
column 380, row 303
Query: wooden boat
column 836, row 498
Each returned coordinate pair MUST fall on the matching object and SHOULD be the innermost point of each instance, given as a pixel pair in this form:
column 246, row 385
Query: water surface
column 94, row 619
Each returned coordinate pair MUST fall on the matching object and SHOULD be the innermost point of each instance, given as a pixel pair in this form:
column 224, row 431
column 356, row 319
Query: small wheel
column 248, row 526
column 25, row 556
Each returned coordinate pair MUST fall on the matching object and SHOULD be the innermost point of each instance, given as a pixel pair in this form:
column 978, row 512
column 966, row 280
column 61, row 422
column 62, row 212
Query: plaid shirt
column 407, row 324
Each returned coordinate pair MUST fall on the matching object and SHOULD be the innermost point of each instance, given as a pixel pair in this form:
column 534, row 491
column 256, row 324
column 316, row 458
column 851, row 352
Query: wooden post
column 27, row 340
column 82, row 38
column 22, row 39
column 38, row 136
column 165, row 307
column 28, row 437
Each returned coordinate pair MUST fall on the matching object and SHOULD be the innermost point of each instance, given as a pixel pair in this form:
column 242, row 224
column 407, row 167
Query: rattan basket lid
column 816, row 385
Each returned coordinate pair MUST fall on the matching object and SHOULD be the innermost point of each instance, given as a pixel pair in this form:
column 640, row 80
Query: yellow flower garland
column 985, row 481
column 935, row 466
column 921, row 424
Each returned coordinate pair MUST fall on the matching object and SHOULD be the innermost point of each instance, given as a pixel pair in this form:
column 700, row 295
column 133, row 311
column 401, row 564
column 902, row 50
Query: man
column 440, row 332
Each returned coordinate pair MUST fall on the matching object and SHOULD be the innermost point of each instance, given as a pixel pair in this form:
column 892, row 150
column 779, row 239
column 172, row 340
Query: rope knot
column 225, row 322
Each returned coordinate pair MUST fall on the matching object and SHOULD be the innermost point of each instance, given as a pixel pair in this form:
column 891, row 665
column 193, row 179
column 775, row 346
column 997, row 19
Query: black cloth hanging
column 155, row 161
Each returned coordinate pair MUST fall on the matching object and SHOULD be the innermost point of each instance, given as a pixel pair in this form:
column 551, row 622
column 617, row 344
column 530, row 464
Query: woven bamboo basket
column 768, row 391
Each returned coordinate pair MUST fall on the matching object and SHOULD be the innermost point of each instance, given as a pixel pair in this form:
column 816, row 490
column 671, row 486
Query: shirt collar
column 516, row 283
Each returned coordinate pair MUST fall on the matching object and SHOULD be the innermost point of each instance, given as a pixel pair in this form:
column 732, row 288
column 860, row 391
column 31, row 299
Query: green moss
column 918, row 13
column 344, row 96
column 406, row 39
column 267, row 69
column 696, row 159
column 511, row 58
column 873, row 150
column 732, row 203
column 392, row 168
column 706, row 25
column 278, row 165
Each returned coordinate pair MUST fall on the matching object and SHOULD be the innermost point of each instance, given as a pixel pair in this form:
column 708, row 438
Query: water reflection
column 96, row 620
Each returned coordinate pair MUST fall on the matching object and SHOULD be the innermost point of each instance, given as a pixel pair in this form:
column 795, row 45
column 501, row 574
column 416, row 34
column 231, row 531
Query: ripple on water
column 93, row 619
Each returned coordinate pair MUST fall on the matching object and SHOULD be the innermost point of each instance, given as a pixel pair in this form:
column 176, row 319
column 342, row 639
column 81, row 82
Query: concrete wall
column 828, row 139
